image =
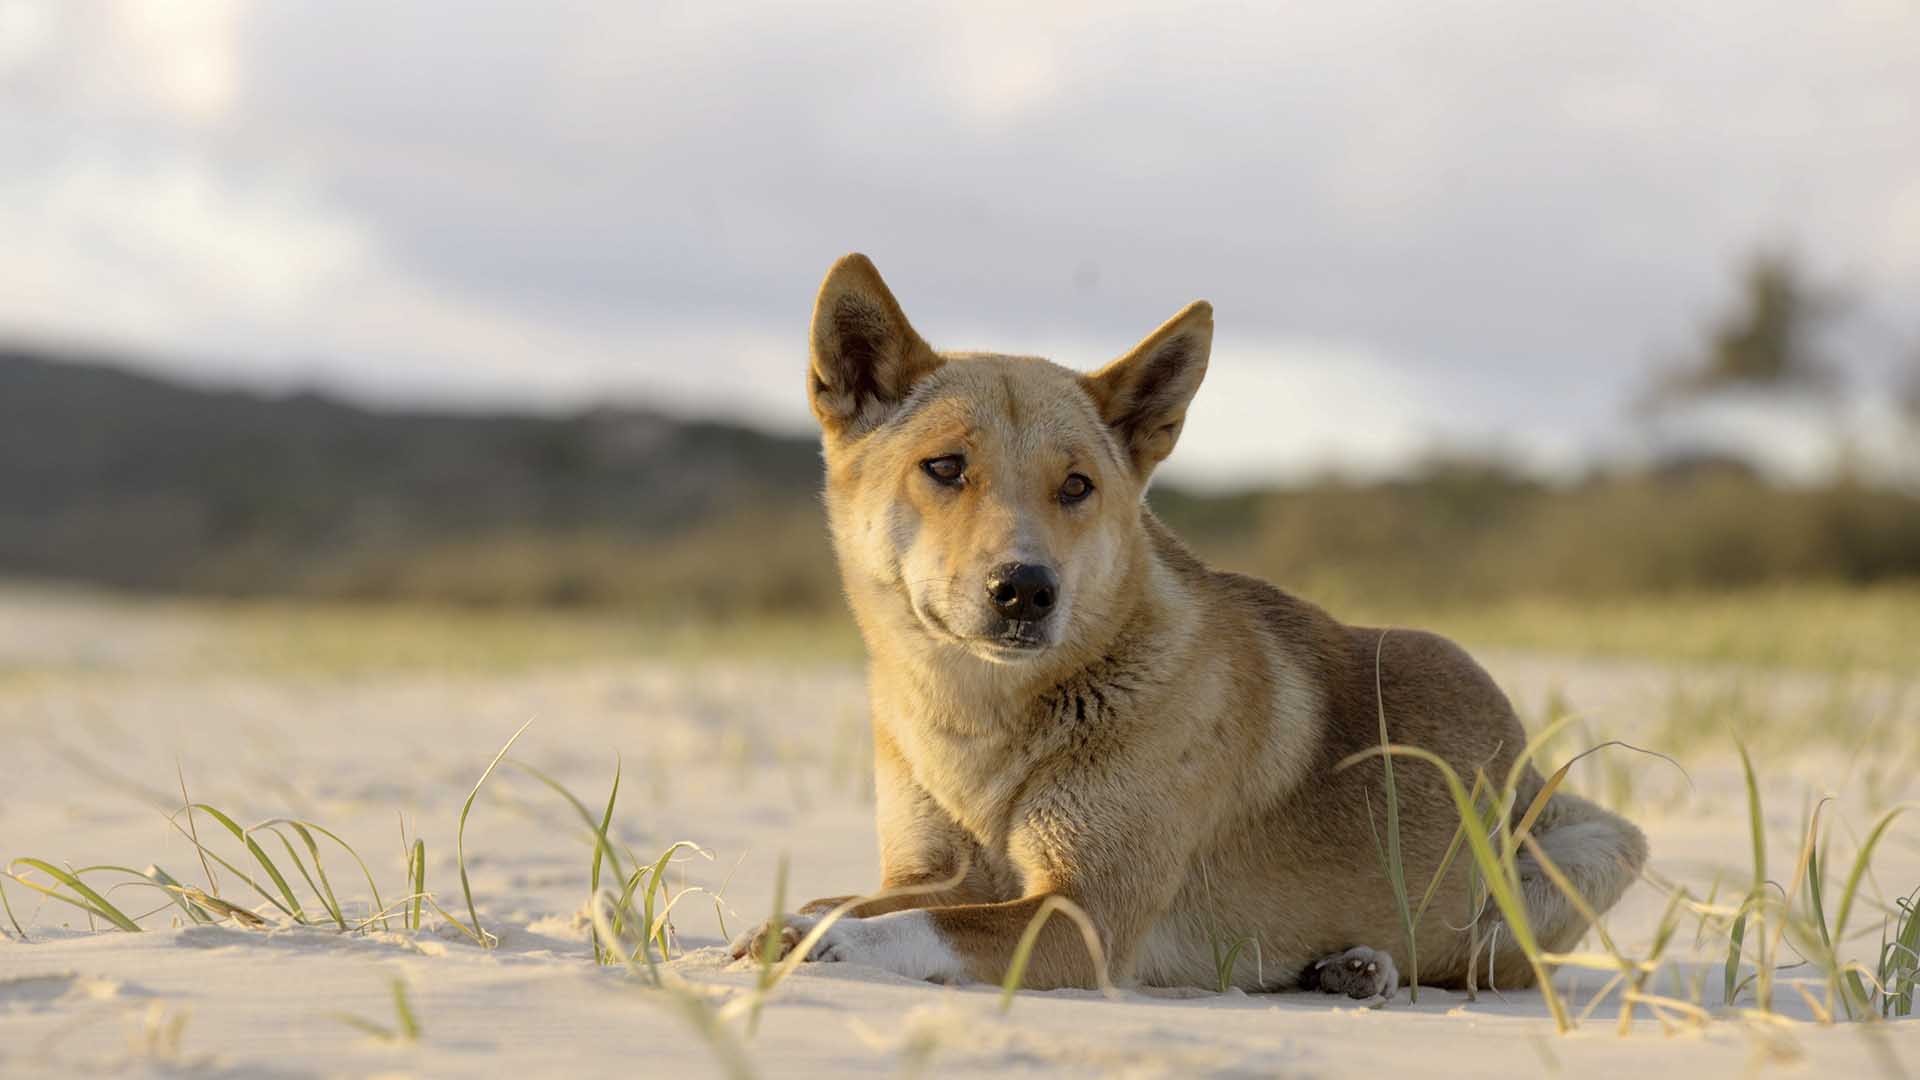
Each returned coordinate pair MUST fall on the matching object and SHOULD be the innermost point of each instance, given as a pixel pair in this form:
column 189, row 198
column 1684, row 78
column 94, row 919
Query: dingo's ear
column 865, row 354
column 1143, row 395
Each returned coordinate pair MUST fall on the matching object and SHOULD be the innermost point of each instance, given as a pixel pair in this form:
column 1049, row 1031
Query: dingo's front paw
column 753, row 943
column 903, row 942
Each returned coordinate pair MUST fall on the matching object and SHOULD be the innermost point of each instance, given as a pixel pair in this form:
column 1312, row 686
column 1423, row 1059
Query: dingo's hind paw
column 1360, row 973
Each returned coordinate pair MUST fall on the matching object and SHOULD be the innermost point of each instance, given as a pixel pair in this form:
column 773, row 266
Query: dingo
column 1067, row 702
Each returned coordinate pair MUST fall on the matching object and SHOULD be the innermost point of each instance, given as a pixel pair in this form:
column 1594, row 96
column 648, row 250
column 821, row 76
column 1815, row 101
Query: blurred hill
column 127, row 480
column 124, row 479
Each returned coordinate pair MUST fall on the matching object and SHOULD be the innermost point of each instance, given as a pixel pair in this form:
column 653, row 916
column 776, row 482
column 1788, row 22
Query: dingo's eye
column 1075, row 488
column 949, row 470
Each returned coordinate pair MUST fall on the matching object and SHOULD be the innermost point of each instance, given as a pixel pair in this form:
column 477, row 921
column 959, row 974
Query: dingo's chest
column 977, row 778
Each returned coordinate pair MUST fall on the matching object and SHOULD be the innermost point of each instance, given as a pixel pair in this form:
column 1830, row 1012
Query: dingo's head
column 988, row 502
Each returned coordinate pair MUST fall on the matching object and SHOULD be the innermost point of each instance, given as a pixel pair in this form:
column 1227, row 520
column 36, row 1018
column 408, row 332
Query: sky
column 1463, row 225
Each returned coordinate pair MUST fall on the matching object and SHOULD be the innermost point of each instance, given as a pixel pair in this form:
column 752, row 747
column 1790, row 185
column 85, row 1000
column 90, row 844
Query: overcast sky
column 1420, row 223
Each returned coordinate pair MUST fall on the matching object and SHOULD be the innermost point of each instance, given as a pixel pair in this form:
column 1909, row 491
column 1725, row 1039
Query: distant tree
column 1910, row 392
column 1769, row 343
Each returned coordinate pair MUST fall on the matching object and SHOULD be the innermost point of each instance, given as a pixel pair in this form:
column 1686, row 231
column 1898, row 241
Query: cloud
column 1476, row 217
column 1313, row 407
column 165, row 252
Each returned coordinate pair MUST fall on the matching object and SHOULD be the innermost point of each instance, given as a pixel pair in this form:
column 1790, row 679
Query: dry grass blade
column 1023, row 951
column 1820, row 1011
column 770, row 948
column 1634, row 972
column 798, row 954
column 709, row 1022
column 221, row 907
column 1688, row 1009
column 193, row 829
column 1534, row 747
column 178, row 892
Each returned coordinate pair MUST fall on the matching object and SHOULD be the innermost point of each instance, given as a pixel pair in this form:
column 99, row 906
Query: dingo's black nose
column 1022, row 590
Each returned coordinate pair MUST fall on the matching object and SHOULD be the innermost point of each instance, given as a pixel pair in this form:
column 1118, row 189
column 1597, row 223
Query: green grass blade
column 599, row 850
column 327, row 897
column 1499, row 877
column 603, row 851
column 1396, row 868
column 406, row 1028
column 1390, row 869
column 460, row 837
column 1854, row 985
column 1904, row 958
column 408, row 1023
column 1736, row 942
column 301, row 866
column 209, row 853
column 1763, row 963
column 366, row 1027
column 372, row 887
column 656, row 929
column 1453, row 852
column 417, row 880
column 1816, row 907
column 11, row 919
column 1859, row 869
column 1224, row 965
column 91, row 901
column 602, row 843
column 1755, row 821
column 1814, row 903
column 292, row 905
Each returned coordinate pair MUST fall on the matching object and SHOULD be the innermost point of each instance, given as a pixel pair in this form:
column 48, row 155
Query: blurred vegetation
column 1465, row 532
column 112, row 478
column 1455, row 534
column 1771, row 341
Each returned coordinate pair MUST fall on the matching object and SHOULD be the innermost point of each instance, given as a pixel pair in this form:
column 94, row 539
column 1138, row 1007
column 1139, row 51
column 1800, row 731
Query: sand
column 100, row 698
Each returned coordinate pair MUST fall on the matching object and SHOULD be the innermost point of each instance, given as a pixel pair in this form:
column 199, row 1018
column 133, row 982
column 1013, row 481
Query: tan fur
column 1168, row 761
